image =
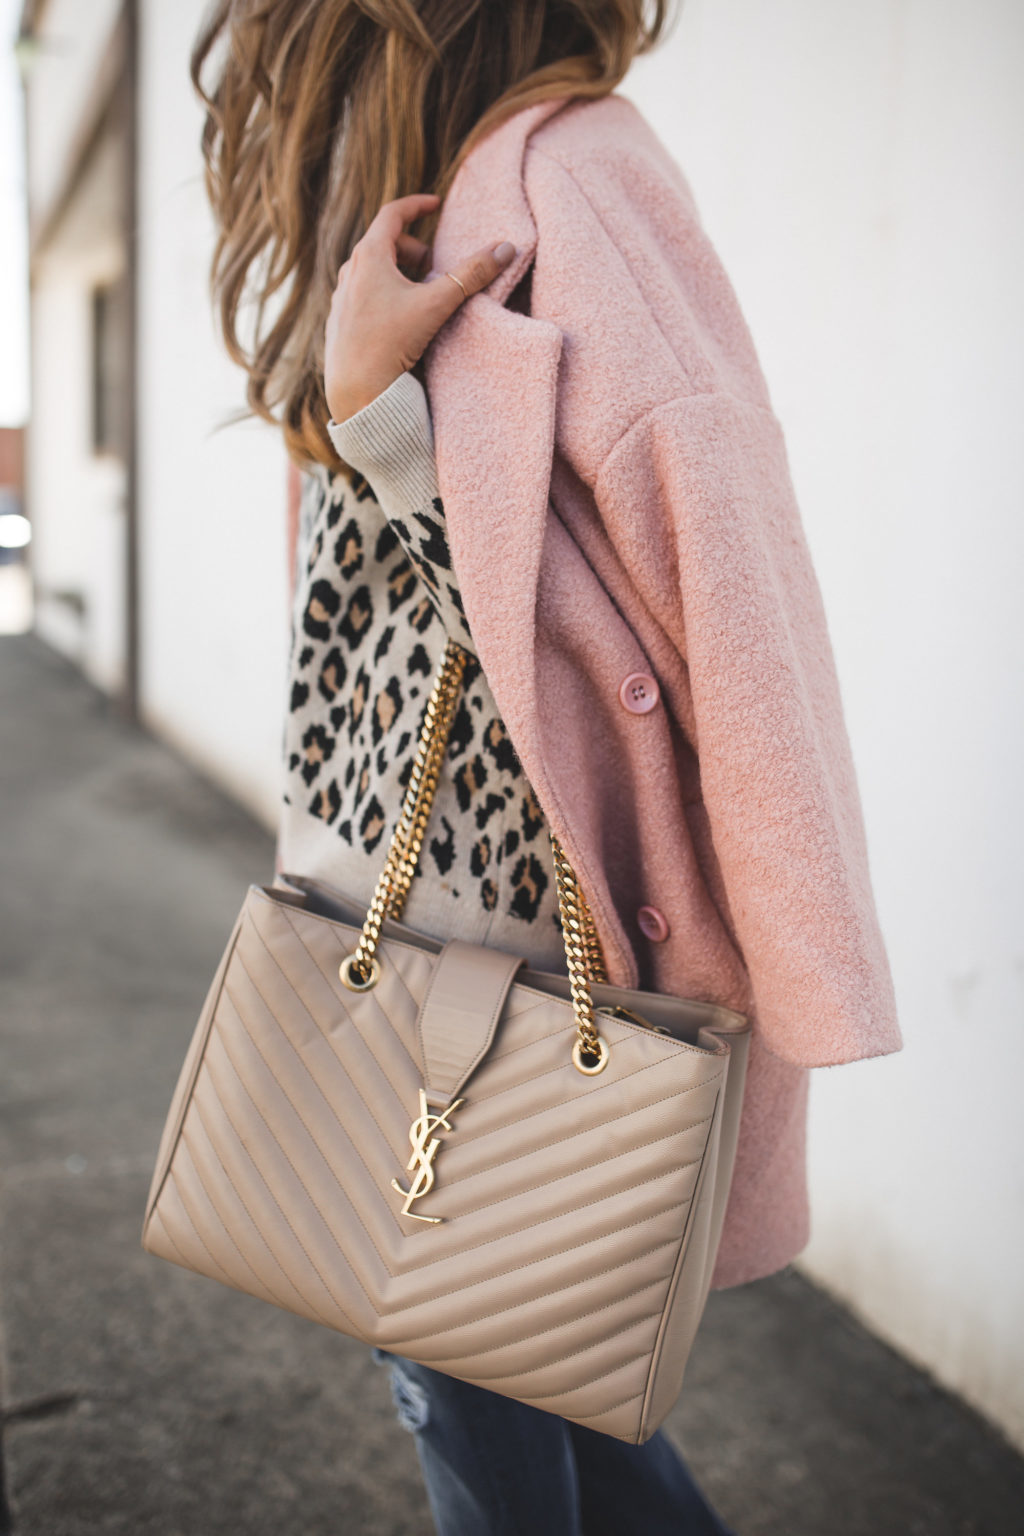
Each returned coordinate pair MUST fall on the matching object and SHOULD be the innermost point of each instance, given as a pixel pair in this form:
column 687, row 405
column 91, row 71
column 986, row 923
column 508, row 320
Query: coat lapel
column 492, row 376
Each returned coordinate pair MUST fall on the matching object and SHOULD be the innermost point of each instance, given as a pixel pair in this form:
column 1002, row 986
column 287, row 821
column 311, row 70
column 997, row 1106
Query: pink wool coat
column 618, row 501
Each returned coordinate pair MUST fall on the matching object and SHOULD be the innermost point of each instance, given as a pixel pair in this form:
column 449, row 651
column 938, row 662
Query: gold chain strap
column 360, row 970
column 580, row 944
column 595, row 956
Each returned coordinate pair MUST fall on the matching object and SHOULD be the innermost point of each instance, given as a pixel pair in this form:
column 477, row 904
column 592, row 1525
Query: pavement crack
column 47, row 1406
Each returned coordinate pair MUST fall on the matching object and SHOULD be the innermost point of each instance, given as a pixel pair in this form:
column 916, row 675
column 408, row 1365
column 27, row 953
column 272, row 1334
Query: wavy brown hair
column 322, row 110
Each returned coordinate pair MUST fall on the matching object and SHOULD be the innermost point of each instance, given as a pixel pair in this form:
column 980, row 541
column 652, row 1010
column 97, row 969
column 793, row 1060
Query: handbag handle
column 360, row 971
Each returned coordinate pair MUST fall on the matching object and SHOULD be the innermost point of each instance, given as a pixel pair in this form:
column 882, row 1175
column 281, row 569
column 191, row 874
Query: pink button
column 639, row 693
column 652, row 924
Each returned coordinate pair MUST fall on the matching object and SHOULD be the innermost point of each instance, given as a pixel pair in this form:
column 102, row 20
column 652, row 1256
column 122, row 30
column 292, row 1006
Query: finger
column 465, row 278
column 483, row 267
column 391, row 218
column 411, row 251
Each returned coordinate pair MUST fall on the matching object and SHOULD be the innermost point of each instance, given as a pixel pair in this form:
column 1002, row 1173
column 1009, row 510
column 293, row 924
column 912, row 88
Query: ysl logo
column 423, row 1154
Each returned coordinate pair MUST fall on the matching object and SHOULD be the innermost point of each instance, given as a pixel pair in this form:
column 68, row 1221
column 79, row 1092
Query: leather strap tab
column 460, row 1013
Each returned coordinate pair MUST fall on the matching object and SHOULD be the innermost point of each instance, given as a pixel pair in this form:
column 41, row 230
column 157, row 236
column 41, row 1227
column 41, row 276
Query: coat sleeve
column 707, row 476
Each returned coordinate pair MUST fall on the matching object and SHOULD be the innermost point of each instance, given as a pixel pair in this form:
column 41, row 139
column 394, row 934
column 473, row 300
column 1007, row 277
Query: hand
column 381, row 321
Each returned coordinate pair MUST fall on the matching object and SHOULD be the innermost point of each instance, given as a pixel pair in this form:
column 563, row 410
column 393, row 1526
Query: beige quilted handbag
column 514, row 1177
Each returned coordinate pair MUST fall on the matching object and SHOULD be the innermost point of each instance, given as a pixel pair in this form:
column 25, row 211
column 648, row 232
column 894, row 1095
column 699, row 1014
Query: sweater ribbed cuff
column 391, row 442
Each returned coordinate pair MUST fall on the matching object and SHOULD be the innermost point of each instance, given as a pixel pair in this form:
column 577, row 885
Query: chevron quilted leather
column 579, row 1214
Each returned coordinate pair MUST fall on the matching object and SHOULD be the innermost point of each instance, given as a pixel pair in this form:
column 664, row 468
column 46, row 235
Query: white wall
column 74, row 38
column 859, row 169
column 213, row 596
column 77, row 497
column 13, row 230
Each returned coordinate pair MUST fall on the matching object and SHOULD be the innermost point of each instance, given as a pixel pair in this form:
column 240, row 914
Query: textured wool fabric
column 618, row 500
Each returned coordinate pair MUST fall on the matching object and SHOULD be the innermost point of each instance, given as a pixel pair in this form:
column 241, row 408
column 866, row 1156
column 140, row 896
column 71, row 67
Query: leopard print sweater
column 375, row 600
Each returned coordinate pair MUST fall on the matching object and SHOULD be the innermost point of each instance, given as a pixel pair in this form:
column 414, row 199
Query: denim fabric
column 495, row 1467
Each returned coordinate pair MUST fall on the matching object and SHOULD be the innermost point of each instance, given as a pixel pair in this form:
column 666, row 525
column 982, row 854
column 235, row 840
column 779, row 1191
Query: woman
column 605, row 524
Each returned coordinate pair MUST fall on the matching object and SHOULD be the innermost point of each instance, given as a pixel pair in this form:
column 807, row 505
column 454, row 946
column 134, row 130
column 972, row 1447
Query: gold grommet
column 603, row 1054
column 351, row 978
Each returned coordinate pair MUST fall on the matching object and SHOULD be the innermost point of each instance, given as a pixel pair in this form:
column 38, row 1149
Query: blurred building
column 12, row 486
column 858, row 169
column 15, row 586
column 159, row 557
column 12, row 459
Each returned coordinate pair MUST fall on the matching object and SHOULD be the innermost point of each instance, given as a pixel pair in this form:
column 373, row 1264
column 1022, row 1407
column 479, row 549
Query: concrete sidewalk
column 142, row 1399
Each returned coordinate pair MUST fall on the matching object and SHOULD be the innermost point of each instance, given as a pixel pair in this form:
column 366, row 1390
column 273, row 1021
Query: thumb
column 458, row 283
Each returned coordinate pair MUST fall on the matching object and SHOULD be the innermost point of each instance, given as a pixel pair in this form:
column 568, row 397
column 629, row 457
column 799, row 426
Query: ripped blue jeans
column 495, row 1467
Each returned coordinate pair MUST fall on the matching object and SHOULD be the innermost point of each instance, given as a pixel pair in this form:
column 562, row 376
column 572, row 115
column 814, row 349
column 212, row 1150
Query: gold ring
column 460, row 283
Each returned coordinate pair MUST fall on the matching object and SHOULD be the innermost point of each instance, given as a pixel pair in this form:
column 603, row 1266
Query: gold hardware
column 396, row 877
column 582, row 946
column 350, row 976
column 617, row 1011
column 598, row 1049
column 583, row 954
column 423, row 1154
